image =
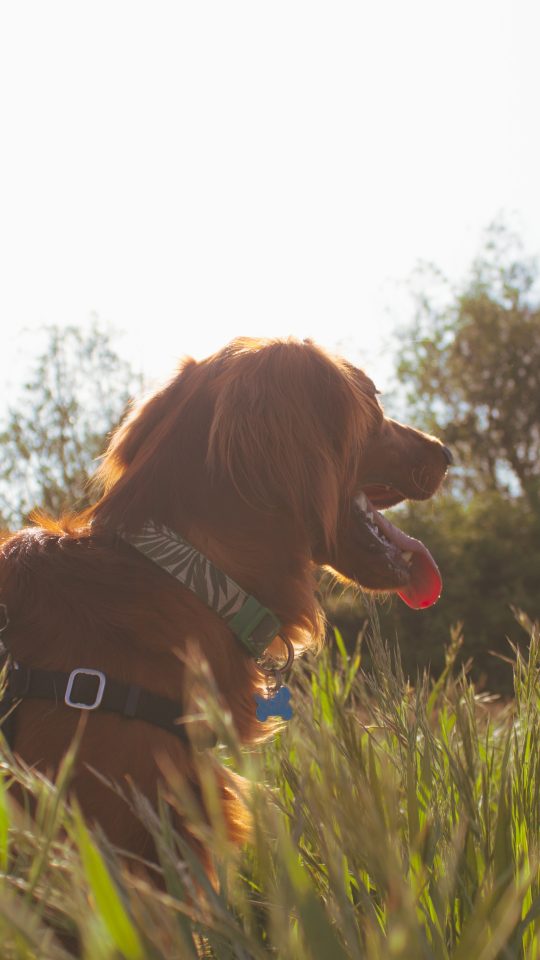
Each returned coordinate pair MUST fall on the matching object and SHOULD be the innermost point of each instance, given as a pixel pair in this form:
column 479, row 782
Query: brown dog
column 271, row 458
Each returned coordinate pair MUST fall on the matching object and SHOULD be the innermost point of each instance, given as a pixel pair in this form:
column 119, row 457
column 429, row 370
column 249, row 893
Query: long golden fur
column 255, row 455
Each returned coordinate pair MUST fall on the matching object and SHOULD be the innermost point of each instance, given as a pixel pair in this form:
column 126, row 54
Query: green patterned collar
column 253, row 624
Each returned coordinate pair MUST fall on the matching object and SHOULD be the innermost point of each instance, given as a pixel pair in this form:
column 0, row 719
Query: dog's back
column 80, row 600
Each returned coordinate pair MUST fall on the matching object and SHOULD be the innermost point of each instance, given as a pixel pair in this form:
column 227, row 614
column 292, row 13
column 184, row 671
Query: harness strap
column 87, row 689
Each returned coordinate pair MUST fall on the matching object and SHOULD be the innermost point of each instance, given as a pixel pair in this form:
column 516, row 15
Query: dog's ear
column 282, row 431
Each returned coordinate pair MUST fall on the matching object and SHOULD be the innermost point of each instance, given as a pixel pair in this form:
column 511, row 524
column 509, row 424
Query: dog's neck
column 268, row 555
column 252, row 623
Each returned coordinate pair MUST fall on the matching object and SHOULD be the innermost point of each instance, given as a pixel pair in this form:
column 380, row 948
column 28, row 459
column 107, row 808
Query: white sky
column 191, row 171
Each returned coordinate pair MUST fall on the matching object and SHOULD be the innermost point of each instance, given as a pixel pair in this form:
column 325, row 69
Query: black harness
column 86, row 689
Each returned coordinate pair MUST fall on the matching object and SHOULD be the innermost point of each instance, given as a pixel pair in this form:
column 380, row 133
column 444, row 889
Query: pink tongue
column 425, row 585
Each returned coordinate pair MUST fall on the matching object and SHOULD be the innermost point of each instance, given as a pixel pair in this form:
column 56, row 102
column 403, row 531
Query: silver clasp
column 83, row 672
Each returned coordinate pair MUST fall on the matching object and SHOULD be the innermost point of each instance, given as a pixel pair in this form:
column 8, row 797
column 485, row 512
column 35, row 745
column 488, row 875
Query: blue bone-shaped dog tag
column 275, row 706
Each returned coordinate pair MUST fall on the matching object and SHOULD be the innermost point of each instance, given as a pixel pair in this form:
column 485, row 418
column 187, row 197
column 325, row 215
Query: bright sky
column 191, row 171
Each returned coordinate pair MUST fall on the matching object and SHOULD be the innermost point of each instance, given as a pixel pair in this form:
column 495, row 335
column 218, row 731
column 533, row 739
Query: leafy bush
column 488, row 551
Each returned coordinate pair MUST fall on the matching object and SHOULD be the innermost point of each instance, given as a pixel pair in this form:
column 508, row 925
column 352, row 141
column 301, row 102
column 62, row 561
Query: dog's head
column 292, row 433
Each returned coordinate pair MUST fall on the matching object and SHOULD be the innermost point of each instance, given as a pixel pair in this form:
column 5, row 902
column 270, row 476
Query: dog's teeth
column 362, row 502
column 407, row 556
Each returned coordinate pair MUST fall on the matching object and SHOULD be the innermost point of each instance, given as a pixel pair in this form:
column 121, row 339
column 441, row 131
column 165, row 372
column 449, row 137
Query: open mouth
column 410, row 567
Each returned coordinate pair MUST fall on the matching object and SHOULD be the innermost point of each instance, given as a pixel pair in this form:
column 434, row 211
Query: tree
column 472, row 369
column 76, row 393
column 470, row 361
column 488, row 551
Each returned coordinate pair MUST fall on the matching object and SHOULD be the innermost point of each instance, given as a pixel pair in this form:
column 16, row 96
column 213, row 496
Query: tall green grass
column 390, row 821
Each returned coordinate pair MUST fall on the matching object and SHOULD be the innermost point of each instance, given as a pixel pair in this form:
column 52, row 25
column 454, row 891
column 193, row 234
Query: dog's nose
column 448, row 455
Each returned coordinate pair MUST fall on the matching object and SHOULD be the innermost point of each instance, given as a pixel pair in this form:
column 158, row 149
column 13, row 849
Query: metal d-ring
column 279, row 669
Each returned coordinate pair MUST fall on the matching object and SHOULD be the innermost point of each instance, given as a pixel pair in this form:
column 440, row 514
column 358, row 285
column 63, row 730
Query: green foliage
column 471, row 365
column 388, row 822
column 114, row 920
column 470, row 362
column 488, row 551
column 76, row 393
